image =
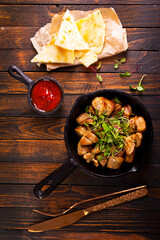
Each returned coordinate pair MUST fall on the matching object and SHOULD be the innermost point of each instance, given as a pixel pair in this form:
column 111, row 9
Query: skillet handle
column 17, row 73
column 54, row 179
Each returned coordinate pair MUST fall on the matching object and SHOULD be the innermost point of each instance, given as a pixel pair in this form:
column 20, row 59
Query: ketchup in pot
column 46, row 95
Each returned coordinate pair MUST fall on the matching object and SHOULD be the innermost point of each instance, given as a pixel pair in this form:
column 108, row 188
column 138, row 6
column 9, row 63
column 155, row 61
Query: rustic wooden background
column 32, row 146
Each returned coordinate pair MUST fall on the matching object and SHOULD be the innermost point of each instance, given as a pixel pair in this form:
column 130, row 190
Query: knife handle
column 116, row 201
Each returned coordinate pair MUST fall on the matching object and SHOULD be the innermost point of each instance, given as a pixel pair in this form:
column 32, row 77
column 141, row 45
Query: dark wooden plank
column 83, row 82
column 20, row 202
column 68, row 235
column 32, row 128
column 37, row 128
column 138, row 38
column 52, row 150
column 22, row 196
column 130, row 15
column 29, row 150
column 17, row 105
column 33, row 172
column 148, row 61
column 105, row 220
column 35, row 2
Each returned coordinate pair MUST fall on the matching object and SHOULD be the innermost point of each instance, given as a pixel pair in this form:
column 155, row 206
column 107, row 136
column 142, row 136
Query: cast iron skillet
column 71, row 140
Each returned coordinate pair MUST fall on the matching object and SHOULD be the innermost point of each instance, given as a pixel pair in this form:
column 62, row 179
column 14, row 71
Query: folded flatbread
column 115, row 40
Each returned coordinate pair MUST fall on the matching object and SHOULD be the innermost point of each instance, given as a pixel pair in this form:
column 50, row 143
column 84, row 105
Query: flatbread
column 115, row 35
column 92, row 29
column 54, row 54
column 68, row 35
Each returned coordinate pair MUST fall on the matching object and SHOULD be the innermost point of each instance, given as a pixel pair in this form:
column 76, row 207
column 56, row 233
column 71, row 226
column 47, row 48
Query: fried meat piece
column 114, row 162
column 129, row 157
column 103, row 105
column 92, row 137
column 91, row 110
column 82, row 149
column 137, row 137
column 85, row 141
column 117, row 108
column 127, row 111
column 102, row 159
column 129, row 145
column 140, row 123
column 89, row 157
column 132, row 125
column 96, row 150
column 82, row 130
column 84, row 118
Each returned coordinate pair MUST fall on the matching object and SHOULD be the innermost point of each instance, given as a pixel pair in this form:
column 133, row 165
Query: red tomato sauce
column 46, row 95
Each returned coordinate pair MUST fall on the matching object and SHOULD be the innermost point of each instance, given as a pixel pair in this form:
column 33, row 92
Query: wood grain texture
column 69, row 235
column 67, row 195
column 38, row 2
column 31, row 146
column 83, row 82
column 33, row 172
column 18, row 106
column 148, row 61
column 130, row 15
column 53, row 150
column 138, row 38
column 56, row 204
column 37, row 128
column 102, row 222
column 20, row 149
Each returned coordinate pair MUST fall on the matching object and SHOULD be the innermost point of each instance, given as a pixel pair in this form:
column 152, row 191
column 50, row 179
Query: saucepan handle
column 17, row 73
column 48, row 184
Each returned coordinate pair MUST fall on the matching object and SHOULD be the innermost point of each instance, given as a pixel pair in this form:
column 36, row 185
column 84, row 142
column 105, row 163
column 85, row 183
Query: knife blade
column 68, row 219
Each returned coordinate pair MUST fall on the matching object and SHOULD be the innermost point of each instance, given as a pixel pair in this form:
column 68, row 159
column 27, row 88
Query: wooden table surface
column 32, row 146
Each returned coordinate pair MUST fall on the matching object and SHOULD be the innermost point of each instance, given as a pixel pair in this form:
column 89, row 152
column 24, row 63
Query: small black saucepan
column 15, row 72
column 71, row 141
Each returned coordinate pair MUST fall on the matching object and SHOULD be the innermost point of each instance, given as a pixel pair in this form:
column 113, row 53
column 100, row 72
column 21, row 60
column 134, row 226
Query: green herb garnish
column 139, row 87
column 100, row 158
column 99, row 65
column 99, row 78
column 117, row 100
column 126, row 74
column 123, row 60
column 118, row 62
column 116, row 65
column 111, row 131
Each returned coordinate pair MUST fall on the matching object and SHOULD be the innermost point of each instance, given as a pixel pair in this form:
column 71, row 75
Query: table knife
column 68, row 219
